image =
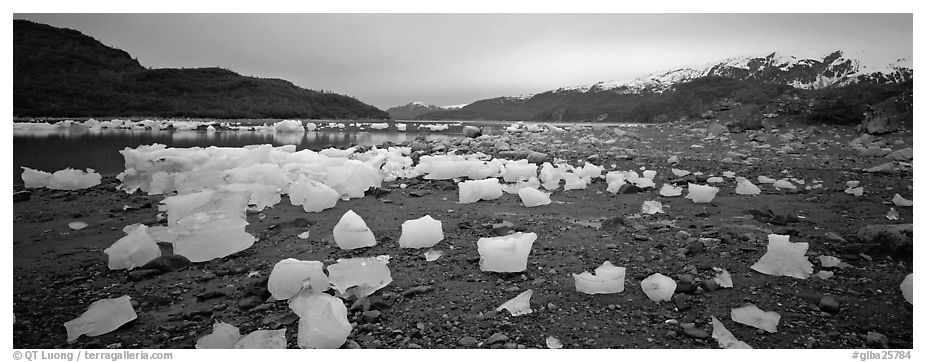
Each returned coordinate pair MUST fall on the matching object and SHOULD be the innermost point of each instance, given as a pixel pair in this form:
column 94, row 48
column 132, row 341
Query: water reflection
column 56, row 148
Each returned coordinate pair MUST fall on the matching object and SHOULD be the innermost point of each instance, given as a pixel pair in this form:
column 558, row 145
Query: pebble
column 467, row 341
column 371, row 316
column 690, row 330
column 876, row 339
column 496, row 338
column 681, row 302
column 829, row 304
column 249, row 302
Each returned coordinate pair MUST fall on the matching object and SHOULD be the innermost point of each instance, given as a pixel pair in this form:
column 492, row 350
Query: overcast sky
column 446, row 59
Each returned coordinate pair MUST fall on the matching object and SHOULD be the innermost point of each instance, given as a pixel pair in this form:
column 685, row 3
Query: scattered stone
column 496, row 338
column 468, row 341
column 876, row 339
column 690, row 330
column 829, row 304
column 168, row 263
column 371, row 316
column 250, row 302
column 141, row 274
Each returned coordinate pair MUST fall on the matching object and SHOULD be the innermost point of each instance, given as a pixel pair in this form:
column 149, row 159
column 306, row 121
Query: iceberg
column 472, row 191
column 135, row 249
column 322, row 320
column 519, row 305
column 751, row 315
column 263, row 339
column 505, row 254
column 784, row 258
column 744, row 187
column 223, row 336
column 66, row 179
column 658, row 287
column 423, row 232
column 359, row 276
column 290, row 276
column 351, row 232
column 532, row 197
column 906, row 287
column 103, row 316
column 288, row 125
column 668, row 190
column 724, row 338
column 607, row 279
column 314, row 196
column 651, row 207
column 701, row 194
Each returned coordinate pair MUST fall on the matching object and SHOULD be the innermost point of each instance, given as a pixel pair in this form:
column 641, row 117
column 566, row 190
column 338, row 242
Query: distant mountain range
column 414, row 109
column 64, row 73
column 636, row 100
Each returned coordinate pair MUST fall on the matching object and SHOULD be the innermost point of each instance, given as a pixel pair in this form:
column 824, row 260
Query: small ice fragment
column 783, row 184
column 714, row 180
column 574, row 182
column 906, row 287
column 668, row 190
column 532, row 197
column 651, row 207
column 751, row 315
column 66, row 179
column 672, row 160
column 77, row 225
column 553, row 342
column 892, row 214
column 134, row 249
column 289, row 276
column 824, row 274
column 643, row 183
column 900, row 201
column 359, row 276
column 432, row 255
column 263, row 339
column 223, row 336
column 505, row 254
column 658, row 287
column 852, row 184
column 472, row 191
column 423, row 232
column 649, row 174
column 701, row 194
column 322, row 320
column 724, row 338
column 103, row 316
column 765, row 180
column 723, row 278
column 744, row 187
column 351, row 232
column 828, row 261
column 288, row 125
column 728, row 174
column 784, row 258
column 607, row 279
column 519, row 305
column 303, row 235
column 680, row 173
column 857, row 191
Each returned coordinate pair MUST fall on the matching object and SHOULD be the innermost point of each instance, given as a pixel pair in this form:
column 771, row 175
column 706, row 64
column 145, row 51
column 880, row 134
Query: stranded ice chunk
column 352, row 233
column 532, row 197
column 423, row 232
column 103, row 316
column 784, row 258
column 668, row 190
column 322, row 320
column 289, row 276
column 134, row 249
column 701, row 194
column 432, row 255
column 906, row 287
column 783, row 184
column 744, row 187
column 828, row 261
column 607, row 279
column 765, row 180
column 288, row 125
column 723, row 278
column 505, row 254
column 724, row 338
column 553, row 342
column 651, row 207
column 77, row 225
column 751, row 315
column 359, row 276
column 66, row 179
column 314, row 196
column 658, row 287
column 519, row 305
column 223, row 336
column 263, row 339
column 900, row 201
column 472, row 191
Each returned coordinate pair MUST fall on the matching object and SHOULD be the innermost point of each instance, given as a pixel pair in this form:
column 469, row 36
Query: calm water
column 52, row 151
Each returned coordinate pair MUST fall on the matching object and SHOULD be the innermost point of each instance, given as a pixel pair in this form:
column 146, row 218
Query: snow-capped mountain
column 810, row 70
column 414, row 109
